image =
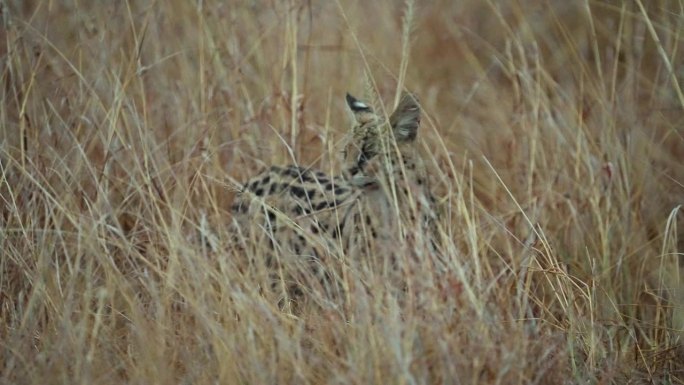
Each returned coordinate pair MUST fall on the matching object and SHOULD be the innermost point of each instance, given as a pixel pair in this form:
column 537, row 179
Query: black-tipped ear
column 356, row 105
column 406, row 118
column 362, row 112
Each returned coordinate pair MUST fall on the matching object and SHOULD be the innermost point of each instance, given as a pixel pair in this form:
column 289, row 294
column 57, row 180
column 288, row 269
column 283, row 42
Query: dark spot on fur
column 239, row 207
column 314, row 229
column 294, row 171
column 272, row 189
column 337, row 230
column 259, row 192
column 271, row 216
column 307, row 177
column 253, row 186
column 300, row 210
column 321, row 177
column 368, row 220
column 289, row 172
column 335, row 188
column 296, row 291
column 311, row 193
column 298, row 191
column 321, row 205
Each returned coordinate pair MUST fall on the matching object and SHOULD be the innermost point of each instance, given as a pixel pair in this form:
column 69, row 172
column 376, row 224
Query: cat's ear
column 406, row 118
column 361, row 111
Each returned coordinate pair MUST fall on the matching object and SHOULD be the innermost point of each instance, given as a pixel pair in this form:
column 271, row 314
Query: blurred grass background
column 555, row 141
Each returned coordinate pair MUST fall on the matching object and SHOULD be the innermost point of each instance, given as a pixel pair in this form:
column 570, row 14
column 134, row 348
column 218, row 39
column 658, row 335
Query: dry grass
column 555, row 139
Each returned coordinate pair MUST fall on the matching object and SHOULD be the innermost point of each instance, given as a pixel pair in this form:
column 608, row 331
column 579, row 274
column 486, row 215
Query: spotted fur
column 307, row 217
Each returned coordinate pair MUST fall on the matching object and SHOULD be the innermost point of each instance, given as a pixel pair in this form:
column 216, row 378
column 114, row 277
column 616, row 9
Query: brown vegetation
column 555, row 142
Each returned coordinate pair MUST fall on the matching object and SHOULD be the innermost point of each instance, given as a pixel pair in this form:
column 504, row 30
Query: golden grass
column 554, row 136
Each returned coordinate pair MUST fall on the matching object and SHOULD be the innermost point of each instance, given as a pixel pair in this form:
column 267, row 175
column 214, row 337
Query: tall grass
column 552, row 130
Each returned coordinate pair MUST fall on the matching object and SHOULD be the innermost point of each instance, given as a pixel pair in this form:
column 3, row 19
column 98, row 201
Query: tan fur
column 381, row 198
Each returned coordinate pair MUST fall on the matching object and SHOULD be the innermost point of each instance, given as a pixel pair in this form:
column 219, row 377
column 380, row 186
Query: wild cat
column 309, row 221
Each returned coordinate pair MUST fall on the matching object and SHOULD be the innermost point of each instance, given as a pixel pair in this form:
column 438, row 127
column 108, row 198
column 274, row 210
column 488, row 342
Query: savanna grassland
column 553, row 131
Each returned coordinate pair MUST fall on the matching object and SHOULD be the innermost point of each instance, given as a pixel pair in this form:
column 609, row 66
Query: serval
column 299, row 218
